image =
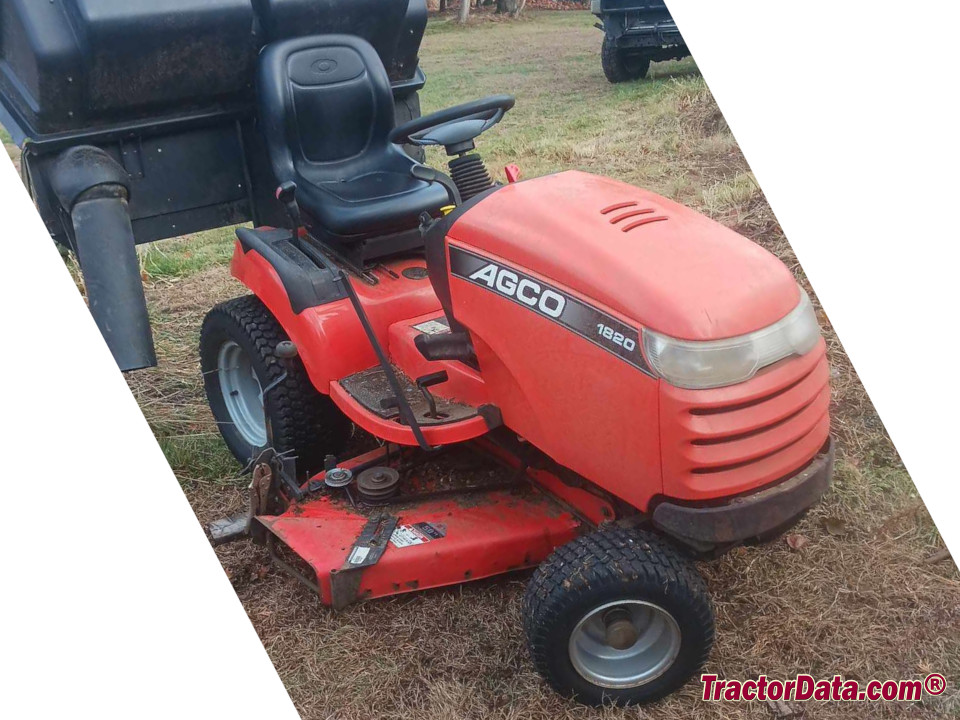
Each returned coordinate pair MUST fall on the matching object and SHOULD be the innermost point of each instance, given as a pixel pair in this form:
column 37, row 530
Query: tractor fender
column 328, row 335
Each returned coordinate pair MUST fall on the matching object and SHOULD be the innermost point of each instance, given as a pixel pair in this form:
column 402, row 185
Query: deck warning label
column 416, row 534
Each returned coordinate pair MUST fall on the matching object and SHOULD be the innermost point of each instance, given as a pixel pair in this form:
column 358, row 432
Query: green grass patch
column 186, row 255
column 200, row 457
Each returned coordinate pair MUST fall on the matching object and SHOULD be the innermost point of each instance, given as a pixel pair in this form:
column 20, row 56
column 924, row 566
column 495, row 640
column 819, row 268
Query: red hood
column 647, row 258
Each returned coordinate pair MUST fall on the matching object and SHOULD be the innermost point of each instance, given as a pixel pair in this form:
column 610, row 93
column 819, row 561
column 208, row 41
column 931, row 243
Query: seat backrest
column 323, row 99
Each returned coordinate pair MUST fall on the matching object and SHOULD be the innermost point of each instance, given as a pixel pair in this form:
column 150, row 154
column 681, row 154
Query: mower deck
column 463, row 515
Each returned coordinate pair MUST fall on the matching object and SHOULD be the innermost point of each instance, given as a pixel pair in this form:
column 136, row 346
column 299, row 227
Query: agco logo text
column 527, row 291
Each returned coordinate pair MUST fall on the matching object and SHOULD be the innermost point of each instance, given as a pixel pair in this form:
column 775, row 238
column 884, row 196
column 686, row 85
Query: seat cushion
column 377, row 201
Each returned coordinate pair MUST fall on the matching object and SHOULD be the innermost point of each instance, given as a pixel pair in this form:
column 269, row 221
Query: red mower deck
column 431, row 534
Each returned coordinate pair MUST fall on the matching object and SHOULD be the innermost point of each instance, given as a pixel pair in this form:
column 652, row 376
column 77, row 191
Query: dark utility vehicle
column 137, row 122
column 636, row 33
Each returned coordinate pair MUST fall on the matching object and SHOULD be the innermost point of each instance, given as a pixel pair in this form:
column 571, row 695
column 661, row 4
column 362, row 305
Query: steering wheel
column 456, row 127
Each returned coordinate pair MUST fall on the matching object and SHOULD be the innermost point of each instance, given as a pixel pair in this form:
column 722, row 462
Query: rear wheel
column 620, row 66
column 237, row 356
column 404, row 111
column 618, row 616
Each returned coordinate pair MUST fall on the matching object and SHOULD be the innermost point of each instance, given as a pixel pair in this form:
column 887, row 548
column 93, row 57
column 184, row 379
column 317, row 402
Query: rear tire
column 404, row 111
column 241, row 335
column 619, row 66
column 613, row 581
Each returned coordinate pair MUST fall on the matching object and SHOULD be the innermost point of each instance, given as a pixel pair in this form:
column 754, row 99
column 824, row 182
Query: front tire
column 619, row 66
column 618, row 616
column 237, row 344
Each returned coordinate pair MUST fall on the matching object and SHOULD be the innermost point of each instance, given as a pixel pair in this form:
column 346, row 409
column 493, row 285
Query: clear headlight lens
column 715, row 363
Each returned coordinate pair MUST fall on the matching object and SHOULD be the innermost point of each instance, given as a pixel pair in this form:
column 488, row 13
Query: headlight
column 715, row 363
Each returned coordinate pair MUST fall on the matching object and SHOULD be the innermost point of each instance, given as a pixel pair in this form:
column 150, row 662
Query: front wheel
column 620, row 66
column 618, row 616
column 247, row 385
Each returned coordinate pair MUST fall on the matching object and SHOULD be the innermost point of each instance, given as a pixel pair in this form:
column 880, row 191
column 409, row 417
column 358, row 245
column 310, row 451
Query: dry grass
column 862, row 603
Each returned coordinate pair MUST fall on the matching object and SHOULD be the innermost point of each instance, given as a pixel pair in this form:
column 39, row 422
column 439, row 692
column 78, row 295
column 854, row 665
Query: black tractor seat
column 326, row 112
column 381, row 201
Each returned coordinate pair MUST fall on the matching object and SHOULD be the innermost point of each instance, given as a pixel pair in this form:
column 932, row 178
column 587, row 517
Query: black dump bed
column 76, row 65
column 137, row 120
column 166, row 88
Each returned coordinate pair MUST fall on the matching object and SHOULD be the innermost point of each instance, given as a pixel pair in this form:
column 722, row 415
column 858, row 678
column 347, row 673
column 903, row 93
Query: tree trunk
column 443, row 6
column 513, row 8
column 464, row 11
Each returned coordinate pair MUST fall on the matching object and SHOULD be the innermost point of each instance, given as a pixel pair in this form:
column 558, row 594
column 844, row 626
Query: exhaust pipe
column 93, row 189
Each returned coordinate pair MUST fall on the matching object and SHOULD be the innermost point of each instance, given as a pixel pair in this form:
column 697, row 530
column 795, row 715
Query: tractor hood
column 648, row 259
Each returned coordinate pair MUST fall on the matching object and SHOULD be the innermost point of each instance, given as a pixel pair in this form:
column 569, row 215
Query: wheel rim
column 242, row 393
column 656, row 647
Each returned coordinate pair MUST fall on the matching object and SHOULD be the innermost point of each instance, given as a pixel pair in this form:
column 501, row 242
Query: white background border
column 113, row 601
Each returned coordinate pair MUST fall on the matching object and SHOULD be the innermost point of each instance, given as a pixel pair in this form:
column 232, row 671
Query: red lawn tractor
column 566, row 373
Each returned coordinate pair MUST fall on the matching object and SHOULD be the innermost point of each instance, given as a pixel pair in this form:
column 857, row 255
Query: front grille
column 730, row 440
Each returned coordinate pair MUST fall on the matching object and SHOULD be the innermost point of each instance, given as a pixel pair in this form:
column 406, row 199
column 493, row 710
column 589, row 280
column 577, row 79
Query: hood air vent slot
column 632, row 213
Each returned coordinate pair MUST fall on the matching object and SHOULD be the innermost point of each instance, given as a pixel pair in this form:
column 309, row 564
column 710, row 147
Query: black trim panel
column 307, row 284
column 435, row 243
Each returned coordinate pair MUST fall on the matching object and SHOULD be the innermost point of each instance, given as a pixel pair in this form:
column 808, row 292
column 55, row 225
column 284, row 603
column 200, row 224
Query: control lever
column 287, row 194
column 428, row 174
column 428, row 381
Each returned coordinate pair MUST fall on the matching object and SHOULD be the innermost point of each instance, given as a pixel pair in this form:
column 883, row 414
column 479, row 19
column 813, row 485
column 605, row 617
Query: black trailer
column 636, row 33
column 136, row 119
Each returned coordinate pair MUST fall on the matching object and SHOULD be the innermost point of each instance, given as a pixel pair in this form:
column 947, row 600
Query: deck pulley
column 337, row 477
column 378, row 484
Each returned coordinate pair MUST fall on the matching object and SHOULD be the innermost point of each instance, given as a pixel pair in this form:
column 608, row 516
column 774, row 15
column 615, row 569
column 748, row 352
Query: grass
column 182, row 257
column 858, row 599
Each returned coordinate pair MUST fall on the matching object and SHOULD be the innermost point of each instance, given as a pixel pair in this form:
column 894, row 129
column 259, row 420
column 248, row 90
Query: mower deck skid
column 495, row 517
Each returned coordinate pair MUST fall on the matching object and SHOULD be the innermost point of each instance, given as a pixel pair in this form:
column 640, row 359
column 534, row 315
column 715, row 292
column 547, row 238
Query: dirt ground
column 860, row 598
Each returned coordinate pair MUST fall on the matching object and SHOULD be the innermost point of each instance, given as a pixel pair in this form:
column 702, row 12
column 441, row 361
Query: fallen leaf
column 261, row 572
column 797, row 542
column 835, row 526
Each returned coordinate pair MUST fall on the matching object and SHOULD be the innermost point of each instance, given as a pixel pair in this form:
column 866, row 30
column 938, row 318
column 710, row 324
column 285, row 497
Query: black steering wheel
column 456, row 127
